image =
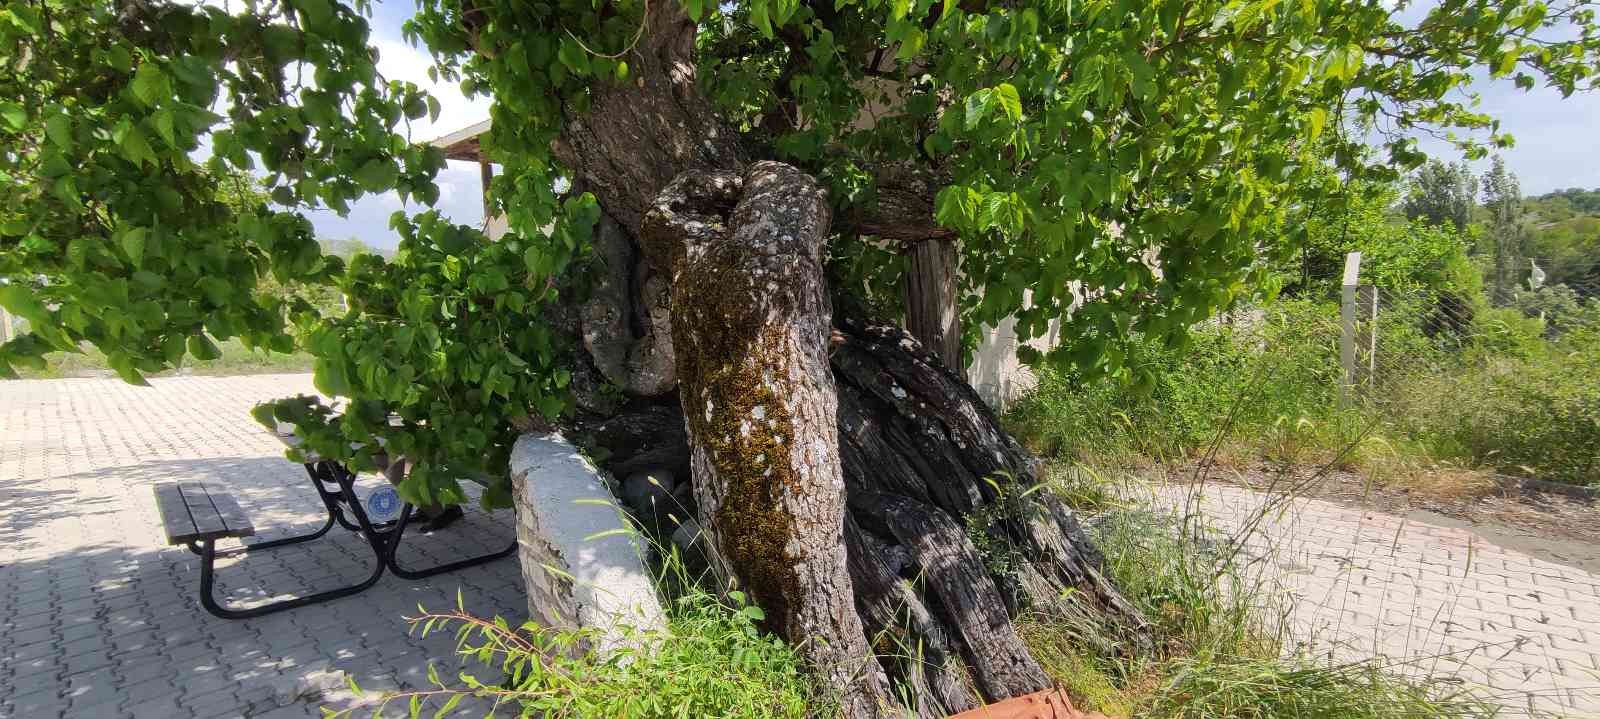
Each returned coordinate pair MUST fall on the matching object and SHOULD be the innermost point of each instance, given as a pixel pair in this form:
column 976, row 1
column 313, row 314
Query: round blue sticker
column 383, row 504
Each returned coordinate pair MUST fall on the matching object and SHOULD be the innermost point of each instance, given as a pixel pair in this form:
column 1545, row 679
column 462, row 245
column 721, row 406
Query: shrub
column 1503, row 393
column 1270, row 374
column 1534, row 412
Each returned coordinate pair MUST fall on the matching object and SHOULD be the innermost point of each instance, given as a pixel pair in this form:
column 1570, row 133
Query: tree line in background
column 1447, row 230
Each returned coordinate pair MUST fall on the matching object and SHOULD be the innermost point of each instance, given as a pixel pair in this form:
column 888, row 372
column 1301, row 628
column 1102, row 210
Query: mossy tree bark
column 838, row 464
column 750, row 329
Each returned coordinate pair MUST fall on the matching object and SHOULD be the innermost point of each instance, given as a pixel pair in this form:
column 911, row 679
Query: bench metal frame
column 335, row 486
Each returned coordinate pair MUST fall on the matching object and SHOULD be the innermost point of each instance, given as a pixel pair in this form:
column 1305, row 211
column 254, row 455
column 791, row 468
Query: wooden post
column 932, row 313
column 1347, row 329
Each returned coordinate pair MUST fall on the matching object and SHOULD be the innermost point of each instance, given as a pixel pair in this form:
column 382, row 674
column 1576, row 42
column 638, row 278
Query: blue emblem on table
column 383, row 504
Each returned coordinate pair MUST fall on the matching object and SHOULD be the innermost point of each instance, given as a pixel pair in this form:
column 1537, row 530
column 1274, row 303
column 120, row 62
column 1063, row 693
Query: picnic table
column 198, row 514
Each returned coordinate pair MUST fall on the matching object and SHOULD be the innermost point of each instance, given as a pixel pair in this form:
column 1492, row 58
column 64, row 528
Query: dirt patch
column 1552, row 527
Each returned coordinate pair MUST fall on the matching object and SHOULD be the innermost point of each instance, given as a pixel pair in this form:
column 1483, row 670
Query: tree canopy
column 1125, row 166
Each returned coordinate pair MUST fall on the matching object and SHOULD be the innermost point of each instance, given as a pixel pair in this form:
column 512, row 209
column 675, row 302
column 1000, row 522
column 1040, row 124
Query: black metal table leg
column 383, row 538
column 208, row 556
column 402, row 572
column 253, row 546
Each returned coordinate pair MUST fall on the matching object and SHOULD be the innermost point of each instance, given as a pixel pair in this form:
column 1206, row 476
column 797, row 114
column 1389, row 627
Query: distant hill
column 1565, row 237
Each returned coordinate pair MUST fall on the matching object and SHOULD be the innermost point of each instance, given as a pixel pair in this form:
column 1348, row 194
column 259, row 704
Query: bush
column 1502, row 393
column 236, row 359
column 1532, row 411
column 1269, row 377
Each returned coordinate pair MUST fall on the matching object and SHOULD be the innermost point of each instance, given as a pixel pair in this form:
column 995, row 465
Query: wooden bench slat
column 206, row 519
column 192, row 511
column 232, row 514
column 175, row 517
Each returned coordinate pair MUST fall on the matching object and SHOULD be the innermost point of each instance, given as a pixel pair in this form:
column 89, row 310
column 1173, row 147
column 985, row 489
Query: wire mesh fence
column 1503, row 379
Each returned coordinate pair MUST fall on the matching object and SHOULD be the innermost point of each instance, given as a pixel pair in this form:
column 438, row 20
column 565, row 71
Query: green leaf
column 21, row 301
column 14, row 114
column 203, row 348
column 318, row 13
column 978, row 104
column 1342, row 63
column 758, row 15
column 1006, row 94
column 59, row 129
column 163, row 120
column 123, row 364
column 573, row 56
column 133, row 243
column 150, row 85
column 135, row 148
column 216, row 290
column 377, row 175
column 1317, row 118
column 330, row 377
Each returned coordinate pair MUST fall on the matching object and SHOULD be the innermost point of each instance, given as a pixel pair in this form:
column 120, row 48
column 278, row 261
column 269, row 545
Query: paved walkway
column 98, row 618
column 1436, row 600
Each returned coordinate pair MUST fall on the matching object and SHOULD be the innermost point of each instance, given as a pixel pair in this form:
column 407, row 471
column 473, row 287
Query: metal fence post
column 1347, row 329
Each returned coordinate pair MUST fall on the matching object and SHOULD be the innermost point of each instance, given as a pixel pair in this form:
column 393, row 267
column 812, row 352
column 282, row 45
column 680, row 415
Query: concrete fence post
column 7, row 329
column 1348, row 301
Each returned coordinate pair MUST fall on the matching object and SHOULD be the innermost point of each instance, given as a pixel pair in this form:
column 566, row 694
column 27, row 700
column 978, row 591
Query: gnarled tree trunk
column 710, row 313
column 750, row 315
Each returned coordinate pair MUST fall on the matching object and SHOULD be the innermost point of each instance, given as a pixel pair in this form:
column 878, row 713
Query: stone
column 583, row 563
column 649, row 492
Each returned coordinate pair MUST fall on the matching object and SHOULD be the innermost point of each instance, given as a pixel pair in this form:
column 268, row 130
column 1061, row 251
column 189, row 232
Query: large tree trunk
column 709, row 313
column 750, row 315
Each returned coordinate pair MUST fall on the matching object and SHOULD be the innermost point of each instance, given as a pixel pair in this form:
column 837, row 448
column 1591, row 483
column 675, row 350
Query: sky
column 460, row 196
column 1557, row 140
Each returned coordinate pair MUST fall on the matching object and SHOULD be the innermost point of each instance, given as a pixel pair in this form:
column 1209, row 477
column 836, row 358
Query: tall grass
column 1223, row 637
column 236, row 359
column 711, row 660
column 1504, row 395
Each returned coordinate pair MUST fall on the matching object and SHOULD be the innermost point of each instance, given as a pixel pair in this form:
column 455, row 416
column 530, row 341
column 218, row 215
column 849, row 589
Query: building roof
column 463, row 143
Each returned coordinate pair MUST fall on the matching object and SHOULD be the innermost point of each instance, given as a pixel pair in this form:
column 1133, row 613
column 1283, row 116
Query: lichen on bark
column 751, row 318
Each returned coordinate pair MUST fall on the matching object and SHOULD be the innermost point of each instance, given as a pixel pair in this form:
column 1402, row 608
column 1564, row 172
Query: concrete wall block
column 579, row 570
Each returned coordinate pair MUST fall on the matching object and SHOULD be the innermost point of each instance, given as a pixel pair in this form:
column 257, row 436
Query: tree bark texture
column 933, row 314
column 839, row 468
column 750, row 324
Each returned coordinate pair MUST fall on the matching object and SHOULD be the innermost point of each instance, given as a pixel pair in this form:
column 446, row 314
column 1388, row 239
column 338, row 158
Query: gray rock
column 687, row 537
column 649, row 493
column 566, row 520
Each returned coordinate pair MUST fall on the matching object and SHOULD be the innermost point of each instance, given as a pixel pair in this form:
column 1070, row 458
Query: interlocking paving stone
column 1437, row 600
column 100, row 618
column 81, row 546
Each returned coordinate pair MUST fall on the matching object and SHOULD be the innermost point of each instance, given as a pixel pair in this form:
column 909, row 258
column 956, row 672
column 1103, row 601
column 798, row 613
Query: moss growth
column 728, row 358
